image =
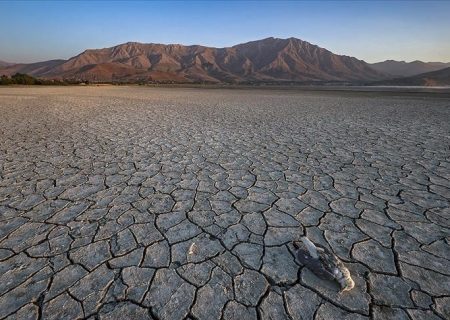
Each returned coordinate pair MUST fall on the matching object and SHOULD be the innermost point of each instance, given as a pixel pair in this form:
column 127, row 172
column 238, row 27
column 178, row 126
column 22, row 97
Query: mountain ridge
column 266, row 60
column 406, row 69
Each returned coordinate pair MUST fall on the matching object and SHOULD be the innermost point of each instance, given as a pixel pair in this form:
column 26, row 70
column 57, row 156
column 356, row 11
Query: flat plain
column 159, row 203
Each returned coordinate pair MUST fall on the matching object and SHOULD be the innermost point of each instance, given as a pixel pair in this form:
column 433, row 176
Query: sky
column 374, row 31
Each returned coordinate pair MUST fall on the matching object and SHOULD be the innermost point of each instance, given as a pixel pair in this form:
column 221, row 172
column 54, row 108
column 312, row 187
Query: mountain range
column 407, row 69
column 434, row 78
column 267, row 60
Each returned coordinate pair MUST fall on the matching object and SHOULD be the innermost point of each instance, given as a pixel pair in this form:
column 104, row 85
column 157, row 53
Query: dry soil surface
column 150, row 203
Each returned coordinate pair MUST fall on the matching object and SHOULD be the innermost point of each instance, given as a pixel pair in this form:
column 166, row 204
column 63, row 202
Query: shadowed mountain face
column 269, row 59
column 434, row 78
column 406, row 69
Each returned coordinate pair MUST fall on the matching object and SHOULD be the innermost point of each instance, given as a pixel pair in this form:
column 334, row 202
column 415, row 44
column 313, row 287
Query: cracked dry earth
column 144, row 203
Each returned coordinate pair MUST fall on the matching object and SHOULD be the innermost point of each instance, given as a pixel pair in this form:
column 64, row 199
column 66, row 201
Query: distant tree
column 5, row 80
column 24, row 79
column 20, row 78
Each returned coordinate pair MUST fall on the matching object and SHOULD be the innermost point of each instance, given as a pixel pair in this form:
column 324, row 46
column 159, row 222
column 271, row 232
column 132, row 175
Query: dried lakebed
column 147, row 203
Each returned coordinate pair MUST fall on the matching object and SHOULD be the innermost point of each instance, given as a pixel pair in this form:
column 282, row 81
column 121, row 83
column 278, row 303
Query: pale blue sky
column 369, row 30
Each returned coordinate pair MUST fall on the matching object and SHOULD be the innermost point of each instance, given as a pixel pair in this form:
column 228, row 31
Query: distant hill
column 267, row 60
column 405, row 69
column 5, row 64
column 33, row 69
column 434, row 78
